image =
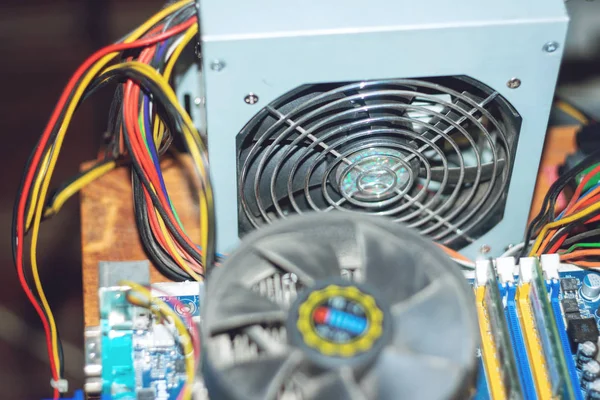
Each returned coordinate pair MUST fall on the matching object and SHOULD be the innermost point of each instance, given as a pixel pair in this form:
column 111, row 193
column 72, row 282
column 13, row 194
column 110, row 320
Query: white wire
column 464, row 264
column 513, row 250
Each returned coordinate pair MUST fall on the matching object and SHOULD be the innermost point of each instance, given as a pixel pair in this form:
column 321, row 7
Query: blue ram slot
column 518, row 343
column 560, row 325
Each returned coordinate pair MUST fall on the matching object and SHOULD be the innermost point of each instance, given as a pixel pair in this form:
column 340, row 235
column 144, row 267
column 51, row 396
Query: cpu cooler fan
column 431, row 113
column 338, row 306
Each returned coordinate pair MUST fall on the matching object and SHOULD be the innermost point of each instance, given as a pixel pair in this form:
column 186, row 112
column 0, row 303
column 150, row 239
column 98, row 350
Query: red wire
column 130, row 104
column 38, row 153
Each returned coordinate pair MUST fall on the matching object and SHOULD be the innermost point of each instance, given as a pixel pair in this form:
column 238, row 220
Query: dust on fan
column 435, row 154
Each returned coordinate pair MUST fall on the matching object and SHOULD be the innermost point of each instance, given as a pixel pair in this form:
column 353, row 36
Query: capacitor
column 586, row 352
column 589, row 372
column 593, row 392
column 590, row 288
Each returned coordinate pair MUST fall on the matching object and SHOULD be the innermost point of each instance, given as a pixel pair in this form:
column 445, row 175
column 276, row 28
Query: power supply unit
column 430, row 113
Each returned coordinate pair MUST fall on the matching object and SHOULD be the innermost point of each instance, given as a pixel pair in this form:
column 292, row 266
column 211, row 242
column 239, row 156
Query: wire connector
column 62, row 385
column 526, row 266
column 550, row 264
column 481, row 272
column 505, row 267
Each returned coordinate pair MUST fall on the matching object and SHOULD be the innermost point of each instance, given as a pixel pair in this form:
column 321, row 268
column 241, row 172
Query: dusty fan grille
column 434, row 154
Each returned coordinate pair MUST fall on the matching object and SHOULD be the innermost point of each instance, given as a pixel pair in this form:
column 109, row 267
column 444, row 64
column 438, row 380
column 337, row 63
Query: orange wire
column 453, row 254
column 587, row 264
column 580, row 253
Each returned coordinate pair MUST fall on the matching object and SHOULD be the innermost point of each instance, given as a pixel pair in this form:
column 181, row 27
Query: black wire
column 161, row 259
column 581, row 236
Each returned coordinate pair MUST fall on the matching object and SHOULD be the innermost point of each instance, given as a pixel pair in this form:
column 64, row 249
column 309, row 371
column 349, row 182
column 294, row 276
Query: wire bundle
column 564, row 233
column 145, row 118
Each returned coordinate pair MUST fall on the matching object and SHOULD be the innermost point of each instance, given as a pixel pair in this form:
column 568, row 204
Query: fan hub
column 338, row 320
column 374, row 174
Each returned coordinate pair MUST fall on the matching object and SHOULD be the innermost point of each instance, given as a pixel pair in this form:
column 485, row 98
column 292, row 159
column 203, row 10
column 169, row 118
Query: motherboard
column 538, row 322
column 539, row 330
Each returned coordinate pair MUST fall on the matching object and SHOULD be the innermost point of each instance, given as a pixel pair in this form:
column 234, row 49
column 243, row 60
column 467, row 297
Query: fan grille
column 435, row 154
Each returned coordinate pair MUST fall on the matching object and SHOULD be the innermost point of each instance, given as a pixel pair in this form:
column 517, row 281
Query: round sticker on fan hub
column 339, row 320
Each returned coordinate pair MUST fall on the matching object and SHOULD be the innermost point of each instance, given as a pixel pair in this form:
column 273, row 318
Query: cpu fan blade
column 263, row 378
column 339, row 385
column 307, row 259
column 419, row 320
column 384, row 257
column 242, row 307
column 470, row 173
column 415, row 376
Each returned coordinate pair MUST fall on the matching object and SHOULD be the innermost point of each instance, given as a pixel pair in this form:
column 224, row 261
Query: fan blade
column 263, row 378
column 384, row 257
column 470, row 173
column 420, row 321
column 242, row 307
column 338, row 385
column 413, row 376
column 309, row 260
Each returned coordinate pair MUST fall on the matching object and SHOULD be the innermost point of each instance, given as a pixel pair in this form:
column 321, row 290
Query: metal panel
column 511, row 45
column 237, row 20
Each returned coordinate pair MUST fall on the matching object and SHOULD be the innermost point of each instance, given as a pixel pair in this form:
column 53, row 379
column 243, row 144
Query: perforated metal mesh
column 435, row 154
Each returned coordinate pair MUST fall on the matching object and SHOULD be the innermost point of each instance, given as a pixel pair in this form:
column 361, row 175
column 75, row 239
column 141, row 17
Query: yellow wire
column 571, row 111
column 185, row 339
column 561, row 222
column 75, row 186
column 85, row 81
column 36, row 189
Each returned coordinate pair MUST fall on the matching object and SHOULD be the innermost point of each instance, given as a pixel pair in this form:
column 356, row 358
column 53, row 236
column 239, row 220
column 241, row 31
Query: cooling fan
column 338, row 306
column 434, row 154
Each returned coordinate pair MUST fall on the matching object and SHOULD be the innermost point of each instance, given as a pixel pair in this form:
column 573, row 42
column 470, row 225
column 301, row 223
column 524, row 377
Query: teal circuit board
column 141, row 358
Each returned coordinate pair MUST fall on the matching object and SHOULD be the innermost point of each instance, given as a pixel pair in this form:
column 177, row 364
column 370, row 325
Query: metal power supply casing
column 252, row 52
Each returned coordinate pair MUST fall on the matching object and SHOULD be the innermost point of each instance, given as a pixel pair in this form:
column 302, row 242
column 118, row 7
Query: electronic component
column 145, row 394
column 558, row 371
column 590, row 371
column 582, row 330
column 586, row 352
column 570, row 305
column 569, row 285
column 593, row 390
column 499, row 330
column 569, row 361
column 570, row 316
column 255, row 333
column 590, row 288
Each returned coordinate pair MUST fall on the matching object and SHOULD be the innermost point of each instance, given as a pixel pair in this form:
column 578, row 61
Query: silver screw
column 197, row 101
column 251, row 98
column 217, row 65
column 551, row 47
column 513, row 83
column 485, row 249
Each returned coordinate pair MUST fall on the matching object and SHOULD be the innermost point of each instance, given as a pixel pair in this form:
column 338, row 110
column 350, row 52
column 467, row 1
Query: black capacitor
column 593, row 392
column 586, row 352
column 590, row 371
